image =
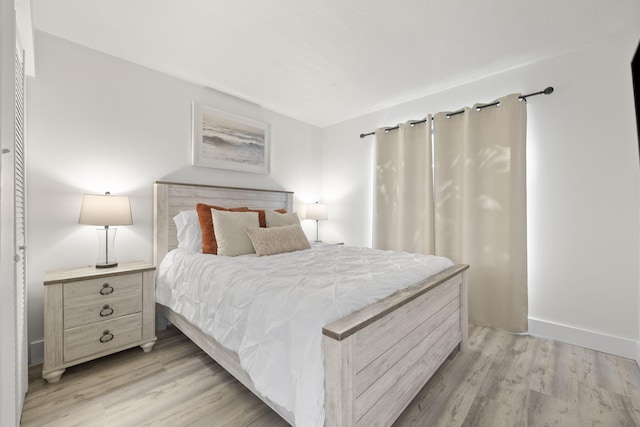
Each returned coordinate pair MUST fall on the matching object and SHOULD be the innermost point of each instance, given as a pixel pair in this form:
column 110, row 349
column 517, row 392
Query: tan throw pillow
column 281, row 219
column 277, row 240
column 231, row 231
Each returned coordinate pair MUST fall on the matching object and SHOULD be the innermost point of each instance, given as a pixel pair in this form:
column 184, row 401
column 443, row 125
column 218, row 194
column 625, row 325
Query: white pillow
column 231, row 231
column 188, row 230
column 276, row 219
column 277, row 240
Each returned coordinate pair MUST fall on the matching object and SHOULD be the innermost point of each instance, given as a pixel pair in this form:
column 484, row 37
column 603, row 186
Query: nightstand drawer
column 101, row 289
column 102, row 337
column 98, row 309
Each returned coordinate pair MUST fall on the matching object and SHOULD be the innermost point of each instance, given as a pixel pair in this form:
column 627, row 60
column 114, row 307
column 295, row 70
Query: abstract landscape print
column 226, row 141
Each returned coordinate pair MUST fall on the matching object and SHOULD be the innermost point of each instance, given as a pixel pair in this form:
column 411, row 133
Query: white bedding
column 271, row 310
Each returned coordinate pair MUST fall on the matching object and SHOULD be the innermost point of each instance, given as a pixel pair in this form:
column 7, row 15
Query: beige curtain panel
column 477, row 212
column 403, row 194
column 480, row 207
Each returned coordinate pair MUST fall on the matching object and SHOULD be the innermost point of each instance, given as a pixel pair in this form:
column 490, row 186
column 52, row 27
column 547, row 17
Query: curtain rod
column 546, row 91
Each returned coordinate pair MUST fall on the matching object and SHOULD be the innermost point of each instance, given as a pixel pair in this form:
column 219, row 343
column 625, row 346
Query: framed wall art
column 226, row 141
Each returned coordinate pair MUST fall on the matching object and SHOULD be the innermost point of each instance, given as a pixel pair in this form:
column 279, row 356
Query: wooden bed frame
column 376, row 359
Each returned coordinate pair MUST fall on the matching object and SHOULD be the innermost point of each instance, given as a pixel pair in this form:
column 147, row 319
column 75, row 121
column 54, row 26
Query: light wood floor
column 502, row 380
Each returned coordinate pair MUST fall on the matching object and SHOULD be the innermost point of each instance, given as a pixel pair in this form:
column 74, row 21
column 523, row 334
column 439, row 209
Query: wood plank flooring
column 502, row 380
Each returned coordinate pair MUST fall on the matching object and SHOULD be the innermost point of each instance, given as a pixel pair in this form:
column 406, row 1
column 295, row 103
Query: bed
column 375, row 359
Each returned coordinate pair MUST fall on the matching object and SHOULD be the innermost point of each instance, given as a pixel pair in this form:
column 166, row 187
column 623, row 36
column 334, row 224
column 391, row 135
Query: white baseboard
column 36, row 353
column 588, row 339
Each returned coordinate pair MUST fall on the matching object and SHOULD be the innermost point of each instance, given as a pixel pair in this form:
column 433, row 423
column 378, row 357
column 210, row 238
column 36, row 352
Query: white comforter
column 271, row 310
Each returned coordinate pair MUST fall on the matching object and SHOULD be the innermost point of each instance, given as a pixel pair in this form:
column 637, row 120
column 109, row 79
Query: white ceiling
column 325, row 61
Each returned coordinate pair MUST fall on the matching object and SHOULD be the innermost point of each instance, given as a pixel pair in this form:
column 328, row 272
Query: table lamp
column 316, row 211
column 105, row 210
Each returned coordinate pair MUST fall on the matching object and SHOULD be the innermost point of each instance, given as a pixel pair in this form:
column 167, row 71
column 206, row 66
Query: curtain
column 480, row 207
column 403, row 189
column 467, row 203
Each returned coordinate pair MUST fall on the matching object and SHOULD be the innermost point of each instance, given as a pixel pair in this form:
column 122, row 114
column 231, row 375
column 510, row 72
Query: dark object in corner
column 635, row 73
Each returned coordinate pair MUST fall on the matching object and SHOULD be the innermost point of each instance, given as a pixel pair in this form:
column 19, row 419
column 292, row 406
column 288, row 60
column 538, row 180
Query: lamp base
column 106, row 243
column 110, row 265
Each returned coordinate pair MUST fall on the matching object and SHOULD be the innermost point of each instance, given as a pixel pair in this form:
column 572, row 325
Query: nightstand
column 91, row 312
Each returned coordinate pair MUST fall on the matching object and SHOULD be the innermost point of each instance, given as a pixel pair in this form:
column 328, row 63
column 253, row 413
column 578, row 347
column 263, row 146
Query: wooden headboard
column 172, row 198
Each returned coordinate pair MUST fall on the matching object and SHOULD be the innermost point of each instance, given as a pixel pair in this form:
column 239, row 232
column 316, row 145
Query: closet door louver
column 20, row 231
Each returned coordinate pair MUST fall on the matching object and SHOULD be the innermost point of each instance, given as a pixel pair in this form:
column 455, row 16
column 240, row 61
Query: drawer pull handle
column 106, row 289
column 106, row 311
column 106, row 336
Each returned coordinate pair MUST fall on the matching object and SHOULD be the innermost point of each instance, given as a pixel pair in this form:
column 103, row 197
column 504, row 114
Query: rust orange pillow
column 209, row 244
column 262, row 219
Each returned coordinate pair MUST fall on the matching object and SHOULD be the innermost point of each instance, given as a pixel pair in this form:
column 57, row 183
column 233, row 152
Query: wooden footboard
column 378, row 359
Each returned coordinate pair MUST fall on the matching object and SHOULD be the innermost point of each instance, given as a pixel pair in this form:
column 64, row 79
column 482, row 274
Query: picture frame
column 224, row 140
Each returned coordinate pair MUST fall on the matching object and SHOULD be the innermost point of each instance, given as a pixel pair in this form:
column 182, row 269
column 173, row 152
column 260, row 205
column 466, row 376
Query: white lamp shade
column 105, row 210
column 316, row 211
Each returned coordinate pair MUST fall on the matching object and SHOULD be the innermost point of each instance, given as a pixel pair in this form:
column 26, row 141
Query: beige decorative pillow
column 275, row 219
column 209, row 245
column 231, row 231
column 277, row 240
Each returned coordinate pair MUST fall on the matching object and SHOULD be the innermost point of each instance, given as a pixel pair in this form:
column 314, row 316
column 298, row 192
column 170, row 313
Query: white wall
column 98, row 123
column 583, row 187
